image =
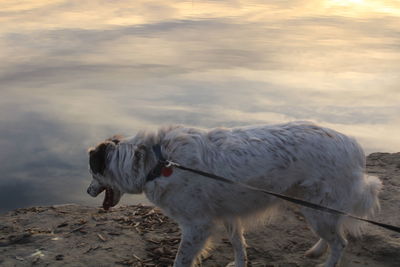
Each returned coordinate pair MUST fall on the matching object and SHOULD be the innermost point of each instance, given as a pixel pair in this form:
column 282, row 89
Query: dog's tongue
column 108, row 198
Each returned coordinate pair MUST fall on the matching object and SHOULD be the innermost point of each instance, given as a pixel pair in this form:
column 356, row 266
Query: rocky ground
column 72, row 235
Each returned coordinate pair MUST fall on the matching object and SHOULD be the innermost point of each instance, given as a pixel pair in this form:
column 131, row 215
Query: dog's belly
column 238, row 201
column 186, row 198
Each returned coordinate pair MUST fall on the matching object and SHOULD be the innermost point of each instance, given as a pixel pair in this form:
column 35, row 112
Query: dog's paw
column 317, row 250
column 312, row 254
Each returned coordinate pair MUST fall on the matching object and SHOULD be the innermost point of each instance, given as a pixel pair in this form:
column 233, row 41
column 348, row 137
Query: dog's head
column 102, row 179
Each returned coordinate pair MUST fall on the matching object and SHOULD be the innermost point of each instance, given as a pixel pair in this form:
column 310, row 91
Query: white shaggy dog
column 299, row 159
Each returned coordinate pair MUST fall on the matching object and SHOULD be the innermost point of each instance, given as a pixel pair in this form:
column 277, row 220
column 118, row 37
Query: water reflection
column 73, row 73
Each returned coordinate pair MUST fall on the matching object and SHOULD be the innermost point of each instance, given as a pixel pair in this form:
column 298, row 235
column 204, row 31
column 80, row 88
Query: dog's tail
column 365, row 205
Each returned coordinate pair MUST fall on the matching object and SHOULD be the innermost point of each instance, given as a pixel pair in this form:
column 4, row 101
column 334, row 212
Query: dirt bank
column 72, row 235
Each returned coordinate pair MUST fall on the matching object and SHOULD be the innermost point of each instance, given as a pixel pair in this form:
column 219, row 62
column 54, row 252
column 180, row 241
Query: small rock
column 59, row 257
column 62, row 225
column 102, row 238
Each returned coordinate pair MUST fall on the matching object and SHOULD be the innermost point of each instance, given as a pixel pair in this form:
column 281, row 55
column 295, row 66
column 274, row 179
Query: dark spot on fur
column 116, row 139
column 139, row 155
column 97, row 159
column 329, row 135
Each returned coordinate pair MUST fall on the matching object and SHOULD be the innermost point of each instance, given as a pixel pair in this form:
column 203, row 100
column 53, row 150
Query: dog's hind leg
column 329, row 228
column 194, row 236
column 235, row 232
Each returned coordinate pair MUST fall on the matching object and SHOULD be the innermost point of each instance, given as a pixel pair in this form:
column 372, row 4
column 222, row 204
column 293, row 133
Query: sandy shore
column 72, row 235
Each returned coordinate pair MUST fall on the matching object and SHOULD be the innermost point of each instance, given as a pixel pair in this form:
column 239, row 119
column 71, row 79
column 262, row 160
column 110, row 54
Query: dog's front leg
column 194, row 236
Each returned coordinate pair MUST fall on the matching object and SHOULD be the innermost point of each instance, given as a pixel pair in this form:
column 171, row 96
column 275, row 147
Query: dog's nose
column 88, row 191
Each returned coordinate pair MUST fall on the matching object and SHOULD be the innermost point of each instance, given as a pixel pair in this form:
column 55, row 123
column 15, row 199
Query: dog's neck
column 157, row 170
column 129, row 173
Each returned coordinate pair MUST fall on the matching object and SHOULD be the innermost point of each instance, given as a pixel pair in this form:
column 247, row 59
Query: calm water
column 73, row 73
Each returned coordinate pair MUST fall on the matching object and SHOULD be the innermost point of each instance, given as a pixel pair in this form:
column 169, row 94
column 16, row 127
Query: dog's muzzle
column 111, row 197
column 95, row 189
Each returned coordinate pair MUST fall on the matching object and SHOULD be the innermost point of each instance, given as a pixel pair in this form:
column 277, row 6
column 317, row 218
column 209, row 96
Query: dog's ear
column 97, row 158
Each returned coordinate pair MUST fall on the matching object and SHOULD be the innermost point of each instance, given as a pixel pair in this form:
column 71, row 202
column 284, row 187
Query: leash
column 165, row 167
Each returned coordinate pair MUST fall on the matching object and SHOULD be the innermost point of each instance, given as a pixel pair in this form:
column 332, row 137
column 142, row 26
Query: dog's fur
column 299, row 159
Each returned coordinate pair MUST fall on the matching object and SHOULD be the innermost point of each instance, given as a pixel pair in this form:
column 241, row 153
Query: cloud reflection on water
column 73, row 73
